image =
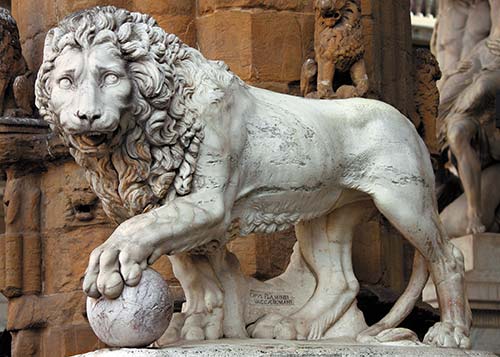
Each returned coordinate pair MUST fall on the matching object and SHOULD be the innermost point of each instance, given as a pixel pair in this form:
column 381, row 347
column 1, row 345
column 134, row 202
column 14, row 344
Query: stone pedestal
column 254, row 348
column 482, row 273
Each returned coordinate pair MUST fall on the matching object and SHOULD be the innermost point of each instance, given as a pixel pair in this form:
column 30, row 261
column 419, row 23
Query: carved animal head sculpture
column 16, row 81
column 332, row 8
column 117, row 102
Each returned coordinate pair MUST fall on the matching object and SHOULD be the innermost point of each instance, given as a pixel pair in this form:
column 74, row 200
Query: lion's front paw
column 197, row 326
column 114, row 264
column 444, row 334
column 282, row 328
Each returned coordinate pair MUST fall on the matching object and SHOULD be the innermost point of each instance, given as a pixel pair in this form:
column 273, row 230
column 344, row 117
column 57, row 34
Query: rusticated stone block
column 173, row 16
column 66, row 256
column 32, row 311
column 172, row 7
column 183, row 26
column 164, row 267
column 245, row 248
column 205, row 6
column 226, row 35
column 70, row 340
column 36, row 17
column 259, row 46
column 280, row 42
column 367, row 252
column 26, row 343
column 263, row 256
column 72, row 203
column 273, row 253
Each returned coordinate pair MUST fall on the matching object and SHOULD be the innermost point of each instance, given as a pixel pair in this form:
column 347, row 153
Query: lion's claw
column 279, row 327
column 114, row 265
column 444, row 334
column 193, row 327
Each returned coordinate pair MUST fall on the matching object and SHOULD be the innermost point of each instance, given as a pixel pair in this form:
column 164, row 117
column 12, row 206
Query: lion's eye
column 65, row 83
column 110, row 79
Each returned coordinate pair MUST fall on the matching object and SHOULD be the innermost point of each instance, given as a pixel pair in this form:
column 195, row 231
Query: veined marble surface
column 258, row 347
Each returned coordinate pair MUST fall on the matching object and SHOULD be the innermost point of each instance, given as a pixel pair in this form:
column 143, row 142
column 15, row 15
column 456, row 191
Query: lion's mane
column 156, row 159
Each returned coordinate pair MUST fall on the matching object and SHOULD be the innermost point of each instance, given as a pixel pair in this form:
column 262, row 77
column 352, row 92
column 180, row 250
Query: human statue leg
column 454, row 216
column 459, row 134
column 202, row 313
column 326, row 244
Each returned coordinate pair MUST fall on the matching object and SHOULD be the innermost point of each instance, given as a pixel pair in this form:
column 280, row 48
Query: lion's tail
column 404, row 305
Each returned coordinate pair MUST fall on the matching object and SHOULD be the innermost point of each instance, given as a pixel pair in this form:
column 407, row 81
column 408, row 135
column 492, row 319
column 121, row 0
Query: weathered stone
column 69, row 339
column 31, row 311
column 338, row 52
column 284, row 40
column 65, row 257
column 72, row 203
column 16, row 81
column 368, row 254
column 226, row 35
column 135, row 319
column 172, row 15
column 205, row 6
column 427, row 73
column 26, row 343
column 254, row 348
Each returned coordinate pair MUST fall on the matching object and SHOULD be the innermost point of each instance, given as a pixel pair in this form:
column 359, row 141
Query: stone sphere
column 137, row 318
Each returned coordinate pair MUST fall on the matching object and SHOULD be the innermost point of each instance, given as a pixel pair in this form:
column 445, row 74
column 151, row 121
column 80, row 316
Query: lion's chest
column 272, row 209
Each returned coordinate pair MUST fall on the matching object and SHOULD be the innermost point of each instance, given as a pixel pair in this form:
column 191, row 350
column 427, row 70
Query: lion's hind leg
column 325, row 244
column 411, row 208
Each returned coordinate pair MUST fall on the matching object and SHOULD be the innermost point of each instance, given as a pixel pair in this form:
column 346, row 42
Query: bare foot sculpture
column 179, row 150
column 454, row 216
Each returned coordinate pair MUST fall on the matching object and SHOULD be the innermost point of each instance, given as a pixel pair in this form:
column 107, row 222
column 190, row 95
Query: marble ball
column 137, row 318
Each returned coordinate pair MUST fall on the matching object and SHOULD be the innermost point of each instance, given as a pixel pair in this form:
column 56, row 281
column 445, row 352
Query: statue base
column 257, row 347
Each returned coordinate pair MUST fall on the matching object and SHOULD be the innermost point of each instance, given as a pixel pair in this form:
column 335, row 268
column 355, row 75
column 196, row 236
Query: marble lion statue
column 182, row 153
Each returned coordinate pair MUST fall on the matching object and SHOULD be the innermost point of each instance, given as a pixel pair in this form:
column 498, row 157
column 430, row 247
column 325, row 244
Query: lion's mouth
column 331, row 14
column 93, row 139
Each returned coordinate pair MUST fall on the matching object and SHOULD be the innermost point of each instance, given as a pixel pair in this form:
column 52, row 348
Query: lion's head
column 332, row 9
column 119, row 90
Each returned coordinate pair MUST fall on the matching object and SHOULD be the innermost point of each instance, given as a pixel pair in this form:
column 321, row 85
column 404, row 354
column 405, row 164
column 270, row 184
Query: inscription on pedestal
column 267, row 298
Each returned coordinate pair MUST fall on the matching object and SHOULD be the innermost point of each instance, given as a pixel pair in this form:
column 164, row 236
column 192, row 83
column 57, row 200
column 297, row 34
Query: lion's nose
column 88, row 116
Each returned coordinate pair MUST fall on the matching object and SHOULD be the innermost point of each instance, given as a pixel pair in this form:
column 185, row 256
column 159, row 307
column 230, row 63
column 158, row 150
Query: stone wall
column 264, row 42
